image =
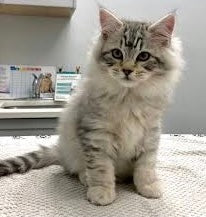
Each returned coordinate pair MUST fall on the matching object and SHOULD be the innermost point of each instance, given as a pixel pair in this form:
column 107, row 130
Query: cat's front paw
column 151, row 190
column 100, row 195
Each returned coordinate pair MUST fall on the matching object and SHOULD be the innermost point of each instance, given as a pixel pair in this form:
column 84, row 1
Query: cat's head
column 133, row 52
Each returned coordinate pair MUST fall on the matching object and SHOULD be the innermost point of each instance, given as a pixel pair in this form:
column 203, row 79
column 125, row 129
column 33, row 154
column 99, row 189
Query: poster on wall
column 19, row 81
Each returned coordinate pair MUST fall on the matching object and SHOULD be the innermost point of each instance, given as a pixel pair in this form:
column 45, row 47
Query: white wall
column 52, row 41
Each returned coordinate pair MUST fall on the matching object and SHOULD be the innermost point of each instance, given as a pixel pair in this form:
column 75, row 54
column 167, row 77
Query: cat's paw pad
column 150, row 190
column 99, row 195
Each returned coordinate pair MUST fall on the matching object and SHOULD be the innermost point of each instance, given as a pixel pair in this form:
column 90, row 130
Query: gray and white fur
column 111, row 127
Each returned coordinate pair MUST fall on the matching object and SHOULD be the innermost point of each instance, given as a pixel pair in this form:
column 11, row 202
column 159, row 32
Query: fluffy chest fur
column 128, row 129
column 127, row 117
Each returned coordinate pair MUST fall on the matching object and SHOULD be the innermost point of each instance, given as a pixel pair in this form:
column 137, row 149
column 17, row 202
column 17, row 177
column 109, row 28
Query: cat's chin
column 128, row 83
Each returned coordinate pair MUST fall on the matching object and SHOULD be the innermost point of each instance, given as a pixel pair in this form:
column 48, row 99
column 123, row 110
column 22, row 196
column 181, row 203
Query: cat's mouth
column 127, row 78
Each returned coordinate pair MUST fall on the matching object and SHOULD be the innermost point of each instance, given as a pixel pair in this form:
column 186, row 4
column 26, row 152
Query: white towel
column 49, row 192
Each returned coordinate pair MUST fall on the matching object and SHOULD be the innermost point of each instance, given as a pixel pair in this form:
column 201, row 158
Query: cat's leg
column 100, row 178
column 145, row 178
column 98, row 164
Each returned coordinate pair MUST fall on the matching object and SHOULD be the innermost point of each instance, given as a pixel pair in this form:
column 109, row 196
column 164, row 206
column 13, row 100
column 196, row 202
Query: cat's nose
column 127, row 71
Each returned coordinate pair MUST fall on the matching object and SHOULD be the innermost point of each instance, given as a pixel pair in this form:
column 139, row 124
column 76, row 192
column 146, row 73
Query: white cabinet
column 52, row 8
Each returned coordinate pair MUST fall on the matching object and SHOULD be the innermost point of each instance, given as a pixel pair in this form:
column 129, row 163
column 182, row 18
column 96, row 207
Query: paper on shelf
column 66, row 83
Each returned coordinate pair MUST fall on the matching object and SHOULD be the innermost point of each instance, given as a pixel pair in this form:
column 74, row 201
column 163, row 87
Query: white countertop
column 30, row 113
column 6, row 112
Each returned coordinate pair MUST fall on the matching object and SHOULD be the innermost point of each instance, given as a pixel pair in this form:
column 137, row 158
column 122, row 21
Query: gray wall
column 51, row 41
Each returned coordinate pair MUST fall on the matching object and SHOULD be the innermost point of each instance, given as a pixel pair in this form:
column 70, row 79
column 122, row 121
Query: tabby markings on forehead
column 137, row 42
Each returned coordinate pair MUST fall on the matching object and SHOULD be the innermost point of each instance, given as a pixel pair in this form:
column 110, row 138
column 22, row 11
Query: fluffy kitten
column 111, row 127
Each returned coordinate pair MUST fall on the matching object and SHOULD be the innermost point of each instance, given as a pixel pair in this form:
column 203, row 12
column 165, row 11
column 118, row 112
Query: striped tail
column 33, row 160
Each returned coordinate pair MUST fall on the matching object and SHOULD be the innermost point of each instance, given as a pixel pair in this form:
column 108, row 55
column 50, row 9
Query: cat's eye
column 117, row 54
column 143, row 56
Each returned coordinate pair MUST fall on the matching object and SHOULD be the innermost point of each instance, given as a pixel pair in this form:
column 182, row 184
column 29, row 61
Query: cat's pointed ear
column 161, row 31
column 109, row 23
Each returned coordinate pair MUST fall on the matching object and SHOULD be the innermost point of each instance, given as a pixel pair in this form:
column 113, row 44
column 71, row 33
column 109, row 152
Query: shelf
column 49, row 8
column 30, row 108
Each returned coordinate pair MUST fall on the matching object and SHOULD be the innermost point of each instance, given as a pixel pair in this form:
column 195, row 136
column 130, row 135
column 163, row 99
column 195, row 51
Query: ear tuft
column 109, row 23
